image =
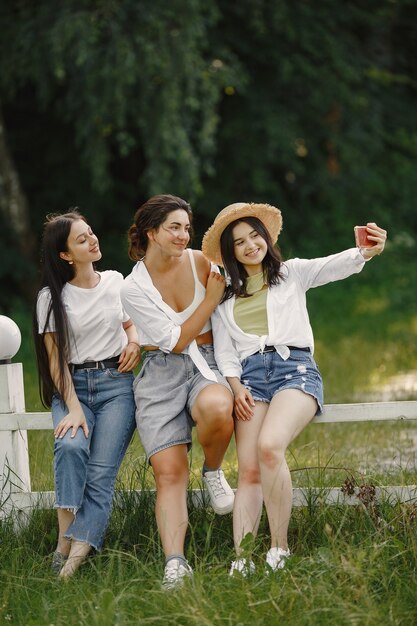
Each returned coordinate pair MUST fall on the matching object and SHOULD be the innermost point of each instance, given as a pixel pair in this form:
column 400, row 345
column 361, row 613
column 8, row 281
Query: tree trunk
column 14, row 207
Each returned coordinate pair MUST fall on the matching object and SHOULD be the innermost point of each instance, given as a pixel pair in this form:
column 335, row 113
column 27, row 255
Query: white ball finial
column 10, row 338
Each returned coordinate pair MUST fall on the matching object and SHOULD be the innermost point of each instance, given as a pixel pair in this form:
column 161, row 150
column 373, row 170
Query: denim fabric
column 86, row 469
column 265, row 374
column 165, row 391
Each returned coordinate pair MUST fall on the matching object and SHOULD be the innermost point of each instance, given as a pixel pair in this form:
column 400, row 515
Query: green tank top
column 250, row 313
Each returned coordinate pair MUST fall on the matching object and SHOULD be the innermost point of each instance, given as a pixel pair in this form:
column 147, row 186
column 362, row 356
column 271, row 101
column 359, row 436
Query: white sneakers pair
column 275, row 560
column 177, row 570
column 220, row 492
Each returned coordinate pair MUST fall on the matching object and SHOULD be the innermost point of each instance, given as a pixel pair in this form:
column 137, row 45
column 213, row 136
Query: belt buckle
column 96, row 366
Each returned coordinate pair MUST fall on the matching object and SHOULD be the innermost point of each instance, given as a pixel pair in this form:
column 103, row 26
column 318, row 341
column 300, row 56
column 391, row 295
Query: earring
column 70, row 262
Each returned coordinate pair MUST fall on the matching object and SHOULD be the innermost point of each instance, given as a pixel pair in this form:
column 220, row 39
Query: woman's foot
column 276, row 559
column 79, row 550
column 242, row 567
column 176, row 571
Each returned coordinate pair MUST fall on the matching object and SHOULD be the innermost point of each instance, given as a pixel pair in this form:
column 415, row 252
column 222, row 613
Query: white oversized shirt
column 95, row 318
column 288, row 321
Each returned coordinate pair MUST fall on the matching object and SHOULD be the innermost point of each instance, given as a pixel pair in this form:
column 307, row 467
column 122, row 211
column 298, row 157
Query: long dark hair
column 149, row 216
column 55, row 272
column 271, row 264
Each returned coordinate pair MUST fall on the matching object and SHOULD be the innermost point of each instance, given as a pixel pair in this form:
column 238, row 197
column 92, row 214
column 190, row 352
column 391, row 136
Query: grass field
column 351, row 565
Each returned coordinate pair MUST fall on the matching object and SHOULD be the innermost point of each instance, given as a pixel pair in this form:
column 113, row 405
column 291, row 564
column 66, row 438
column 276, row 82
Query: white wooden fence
column 15, row 484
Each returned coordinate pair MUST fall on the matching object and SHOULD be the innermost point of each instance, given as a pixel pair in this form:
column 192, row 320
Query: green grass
column 351, row 565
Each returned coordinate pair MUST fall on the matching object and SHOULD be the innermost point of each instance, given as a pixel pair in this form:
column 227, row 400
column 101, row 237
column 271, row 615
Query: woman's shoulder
column 111, row 275
column 202, row 263
column 110, row 278
column 198, row 255
column 44, row 295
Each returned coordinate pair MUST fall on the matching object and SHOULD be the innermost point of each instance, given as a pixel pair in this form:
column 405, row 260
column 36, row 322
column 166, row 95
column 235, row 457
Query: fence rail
column 14, row 457
column 355, row 412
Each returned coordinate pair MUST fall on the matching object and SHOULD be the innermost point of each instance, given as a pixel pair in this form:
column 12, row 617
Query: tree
column 14, row 210
column 297, row 103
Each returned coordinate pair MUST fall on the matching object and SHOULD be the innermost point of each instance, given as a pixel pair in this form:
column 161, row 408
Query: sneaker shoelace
column 174, row 572
column 216, row 484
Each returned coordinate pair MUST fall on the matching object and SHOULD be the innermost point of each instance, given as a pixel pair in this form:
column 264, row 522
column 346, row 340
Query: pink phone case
column 361, row 237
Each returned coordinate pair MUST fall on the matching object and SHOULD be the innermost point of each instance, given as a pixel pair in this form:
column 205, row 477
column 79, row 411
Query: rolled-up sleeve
column 152, row 324
column 225, row 353
column 317, row 272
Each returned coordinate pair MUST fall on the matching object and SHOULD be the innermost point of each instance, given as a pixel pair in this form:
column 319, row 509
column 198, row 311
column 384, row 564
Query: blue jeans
column 85, row 469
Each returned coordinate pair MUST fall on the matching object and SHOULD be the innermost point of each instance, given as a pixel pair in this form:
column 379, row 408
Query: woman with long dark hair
column 264, row 347
column 170, row 296
column 86, row 349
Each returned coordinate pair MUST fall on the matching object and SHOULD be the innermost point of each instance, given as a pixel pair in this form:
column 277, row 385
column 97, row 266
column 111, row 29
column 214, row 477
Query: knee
column 270, row 454
column 171, row 476
column 71, row 448
column 219, row 412
column 250, row 475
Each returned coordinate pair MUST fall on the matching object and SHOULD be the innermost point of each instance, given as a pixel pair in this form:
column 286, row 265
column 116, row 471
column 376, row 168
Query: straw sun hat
column 269, row 215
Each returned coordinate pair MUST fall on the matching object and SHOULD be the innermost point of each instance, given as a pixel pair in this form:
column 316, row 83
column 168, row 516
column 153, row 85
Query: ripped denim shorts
column 267, row 373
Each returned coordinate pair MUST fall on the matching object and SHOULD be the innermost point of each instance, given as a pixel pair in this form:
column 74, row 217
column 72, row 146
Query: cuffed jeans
column 86, row 469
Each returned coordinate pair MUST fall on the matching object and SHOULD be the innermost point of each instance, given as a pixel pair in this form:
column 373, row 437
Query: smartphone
column 361, row 237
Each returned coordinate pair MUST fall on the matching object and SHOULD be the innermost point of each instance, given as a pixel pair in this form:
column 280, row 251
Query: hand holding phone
column 361, row 238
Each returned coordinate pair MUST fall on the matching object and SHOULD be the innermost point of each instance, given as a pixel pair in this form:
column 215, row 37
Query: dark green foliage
column 301, row 104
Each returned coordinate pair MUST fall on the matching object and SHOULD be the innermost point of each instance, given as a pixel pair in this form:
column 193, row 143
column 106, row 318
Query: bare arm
column 75, row 417
column 191, row 328
column 130, row 356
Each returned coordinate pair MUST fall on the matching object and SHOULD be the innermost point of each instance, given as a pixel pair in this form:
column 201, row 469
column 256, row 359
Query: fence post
column 14, row 454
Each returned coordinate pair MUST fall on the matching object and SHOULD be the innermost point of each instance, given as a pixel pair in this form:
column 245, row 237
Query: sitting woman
column 170, row 295
column 86, row 348
column 264, row 347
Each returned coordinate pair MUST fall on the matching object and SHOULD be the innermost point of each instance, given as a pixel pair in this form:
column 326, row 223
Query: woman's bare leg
column 289, row 413
column 247, row 508
column 170, row 467
column 65, row 517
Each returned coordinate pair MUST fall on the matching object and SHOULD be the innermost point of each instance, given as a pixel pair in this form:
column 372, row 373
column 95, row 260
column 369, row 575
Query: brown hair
column 150, row 216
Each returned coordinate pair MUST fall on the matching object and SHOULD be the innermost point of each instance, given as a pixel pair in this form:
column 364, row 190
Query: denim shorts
column 165, row 391
column 265, row 374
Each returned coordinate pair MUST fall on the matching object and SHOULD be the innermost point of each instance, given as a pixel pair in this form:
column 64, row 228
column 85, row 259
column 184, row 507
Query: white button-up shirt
column 156, row 322
column 288, row 321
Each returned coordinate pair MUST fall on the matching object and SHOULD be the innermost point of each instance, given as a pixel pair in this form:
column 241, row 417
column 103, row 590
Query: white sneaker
column 275, row 559
column 220, row 492
column 243, row 567
column 175, row 572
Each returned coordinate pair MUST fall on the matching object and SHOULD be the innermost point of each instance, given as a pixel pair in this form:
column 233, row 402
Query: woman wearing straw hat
column 170, row 295
column 264, row 347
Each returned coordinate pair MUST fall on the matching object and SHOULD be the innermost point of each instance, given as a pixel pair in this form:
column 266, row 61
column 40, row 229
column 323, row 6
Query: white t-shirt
column 95, row 318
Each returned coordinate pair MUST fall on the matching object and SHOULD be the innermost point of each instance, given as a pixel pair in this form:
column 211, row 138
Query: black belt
column 96, row 365
column 272, row 349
